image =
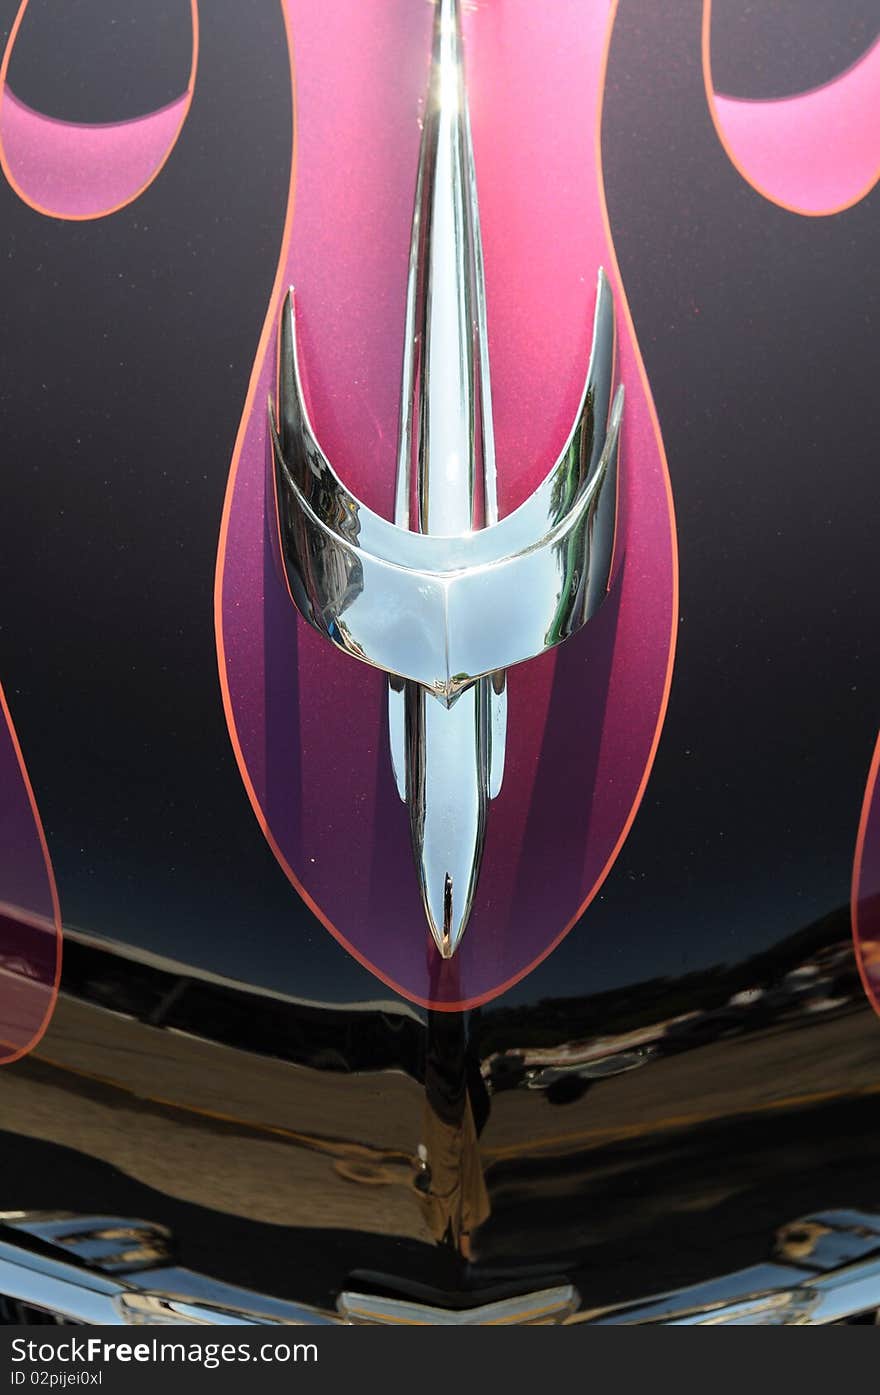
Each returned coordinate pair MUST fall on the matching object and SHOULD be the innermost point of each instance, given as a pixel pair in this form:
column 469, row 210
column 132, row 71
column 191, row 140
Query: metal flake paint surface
column 205, row 1014
column 814, row 153
column 79, row 170
column 309, row 726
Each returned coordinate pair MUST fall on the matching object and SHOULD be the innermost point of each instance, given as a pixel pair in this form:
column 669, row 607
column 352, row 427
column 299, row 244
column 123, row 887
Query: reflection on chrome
column 549, row 1305
column 448, row 762
column 446, row 598
column 826, row 1270
column 71, row 1268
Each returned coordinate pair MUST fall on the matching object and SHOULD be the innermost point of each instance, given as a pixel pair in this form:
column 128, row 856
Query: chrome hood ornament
column 448, row 597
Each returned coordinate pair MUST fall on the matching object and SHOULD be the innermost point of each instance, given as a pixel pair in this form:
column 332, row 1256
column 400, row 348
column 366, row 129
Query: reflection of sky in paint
column 678, row 936
column 630, row 932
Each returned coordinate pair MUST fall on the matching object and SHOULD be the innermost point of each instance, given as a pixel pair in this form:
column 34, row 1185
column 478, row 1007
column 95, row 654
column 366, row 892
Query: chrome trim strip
column 452, row 758
column 304, row 472
column 63, row 1290
column 77, row 1294
column 549, row 1305
column 833, row 1274
column 445, row 611
column 447, row 597
column 838, row 1279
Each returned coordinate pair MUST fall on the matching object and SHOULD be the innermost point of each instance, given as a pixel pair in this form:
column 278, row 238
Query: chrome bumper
column 110, row 1271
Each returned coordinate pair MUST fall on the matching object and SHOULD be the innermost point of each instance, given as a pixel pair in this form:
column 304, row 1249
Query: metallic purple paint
column 69, row 170
column 78, row 170
column 308, row 725
column 815, row 153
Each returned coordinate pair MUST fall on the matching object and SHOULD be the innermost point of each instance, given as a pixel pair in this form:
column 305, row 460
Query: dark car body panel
column 696, row 1065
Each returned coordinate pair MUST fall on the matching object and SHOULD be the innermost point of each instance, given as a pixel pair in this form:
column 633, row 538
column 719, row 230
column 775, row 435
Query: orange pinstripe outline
column 268, row 329
column 867, row 802
column 709, row 87
column 53, row 889
column 115, row 208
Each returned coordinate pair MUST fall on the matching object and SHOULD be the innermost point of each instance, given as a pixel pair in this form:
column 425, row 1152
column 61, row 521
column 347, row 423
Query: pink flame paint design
column 816, row 153
column 77, row 171
column 307, row 723
column 865, row 902
column 30, row 921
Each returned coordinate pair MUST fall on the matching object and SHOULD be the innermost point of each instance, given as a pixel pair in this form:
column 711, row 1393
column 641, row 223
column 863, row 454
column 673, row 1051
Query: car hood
column 654, row 1030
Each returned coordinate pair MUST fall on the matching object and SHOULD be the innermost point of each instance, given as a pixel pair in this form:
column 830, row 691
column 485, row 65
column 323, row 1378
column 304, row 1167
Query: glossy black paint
column 784, row 46
column 217, row 1062
column 120, row 58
